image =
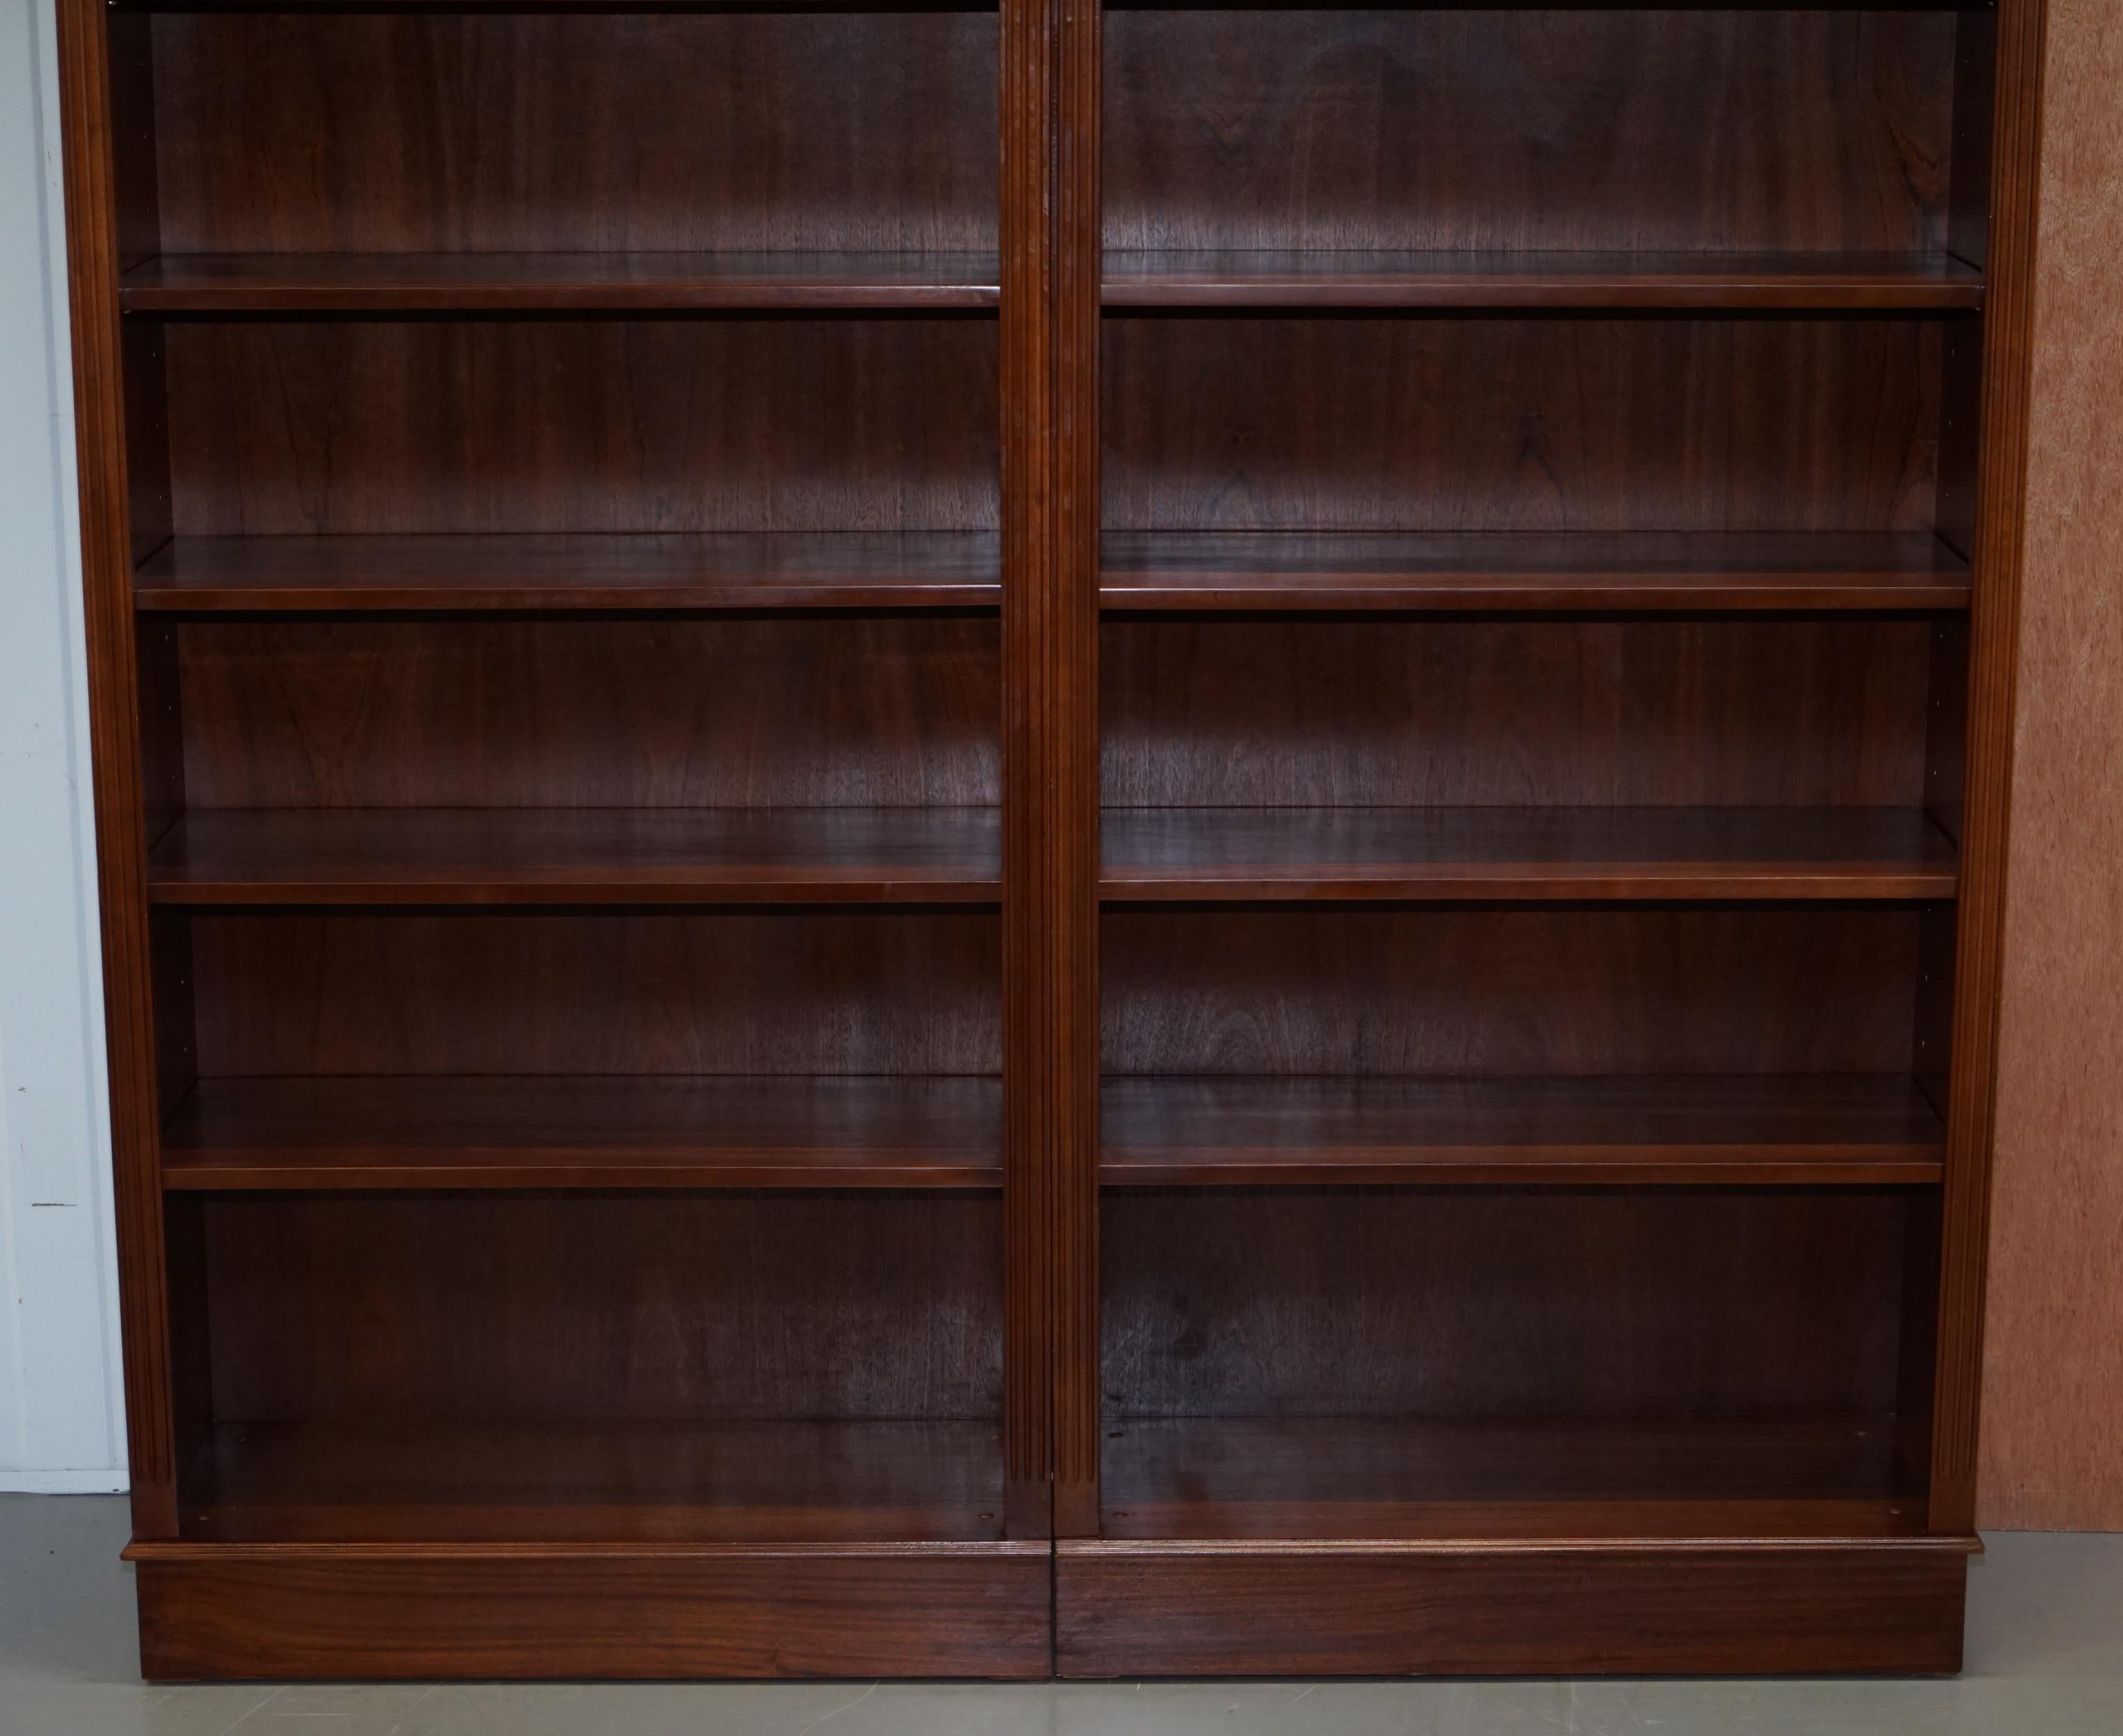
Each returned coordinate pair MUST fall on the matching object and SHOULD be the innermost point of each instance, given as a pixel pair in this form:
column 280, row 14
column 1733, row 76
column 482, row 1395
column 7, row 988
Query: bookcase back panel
column 295, row 428
column 1558, row 711
column 850, row 711
column 1491, row 990
column 1520, row 425
column 600, row 1309
column 725, row 993
column 1474, row 1305
column 1496, row 128
column 576, row 132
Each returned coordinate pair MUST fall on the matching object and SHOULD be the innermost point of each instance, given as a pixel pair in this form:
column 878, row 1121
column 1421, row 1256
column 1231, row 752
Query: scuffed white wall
column 62, row 1413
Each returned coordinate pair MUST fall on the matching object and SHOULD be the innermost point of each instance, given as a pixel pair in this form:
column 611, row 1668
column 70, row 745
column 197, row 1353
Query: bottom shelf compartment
column 784, row 1482
column 1329, row 1478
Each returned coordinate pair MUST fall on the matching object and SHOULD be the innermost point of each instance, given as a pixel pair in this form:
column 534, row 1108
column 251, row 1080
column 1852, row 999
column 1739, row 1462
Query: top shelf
column 1926, row 282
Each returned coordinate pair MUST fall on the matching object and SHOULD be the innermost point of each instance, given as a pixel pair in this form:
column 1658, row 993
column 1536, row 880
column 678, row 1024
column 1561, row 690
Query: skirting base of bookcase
column 1260, row 1608
column 366, row 1612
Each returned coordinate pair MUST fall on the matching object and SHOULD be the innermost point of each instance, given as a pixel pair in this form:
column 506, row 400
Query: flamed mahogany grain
column 1477, row 1306
column 1222, row 712
column 1496, row 128
column 463, row 426
column 604, row 1310
column 618, row 713
column 1263, row 422
column 429, row 1611
column 783, row 993
column 596, row 132
column 1500, row 990
column 1635, row 1607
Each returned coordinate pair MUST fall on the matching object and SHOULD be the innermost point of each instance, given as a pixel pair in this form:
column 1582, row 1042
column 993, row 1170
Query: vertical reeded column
column 1050, row 268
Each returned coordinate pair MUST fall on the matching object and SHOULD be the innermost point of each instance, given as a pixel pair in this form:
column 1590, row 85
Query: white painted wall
column 62, row 1411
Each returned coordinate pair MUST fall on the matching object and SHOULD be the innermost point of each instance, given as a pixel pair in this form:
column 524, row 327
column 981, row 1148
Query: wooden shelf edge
column 1296, row 280
column 1535, row 882
column 511, row 283
column 278, row 858
column 1916, row 1166
column 1614, row 1131
column 533, row 573
column 170, row 1550
column 1360, row 1548
column 1619, row 855
column 1300, row 572
column 574, row 1133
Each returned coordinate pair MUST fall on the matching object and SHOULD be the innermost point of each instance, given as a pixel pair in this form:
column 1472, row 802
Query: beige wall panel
column 2052, row 1453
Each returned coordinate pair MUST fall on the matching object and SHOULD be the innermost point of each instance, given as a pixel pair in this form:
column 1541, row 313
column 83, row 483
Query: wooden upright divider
column 1027, row 838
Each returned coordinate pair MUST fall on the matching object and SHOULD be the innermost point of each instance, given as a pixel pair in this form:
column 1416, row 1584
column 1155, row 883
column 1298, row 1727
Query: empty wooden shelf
column 1408, row 1479
column 1782, row 282
column 577, row 855
column 1414, row 853
column 412, row 283
column 1835, row 1130
column 1679, row 571
column 367, row 1482
column 544, row 1131
column 636, row 570
column 945, row 839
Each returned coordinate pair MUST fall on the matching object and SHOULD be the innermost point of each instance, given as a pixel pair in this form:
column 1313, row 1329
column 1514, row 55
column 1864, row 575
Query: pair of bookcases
column 966, row 841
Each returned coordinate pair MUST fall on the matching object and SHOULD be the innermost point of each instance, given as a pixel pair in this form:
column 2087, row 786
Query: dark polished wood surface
column 797, row 1482
column 595, row 130
column 604, row 1308
column 783, row 571
column 1415, row 1097
column 1468, row 1304
column 1487, row 989
column 463, row 426
column 1582, row 130
column 1292, row 422
column 533, row 712
column 1837, row 1129
column 577, row 855
column 1516, row 712
column 1409, row 1478
column 396, row 283
column 1710, row 1607
column 560, row 1131
column 1340, row 278
column 1422, row 853
column 621, row 992
column 1446, row 571
column 338, row 1612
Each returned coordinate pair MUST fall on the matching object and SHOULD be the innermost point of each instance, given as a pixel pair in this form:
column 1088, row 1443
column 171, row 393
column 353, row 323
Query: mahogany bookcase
column 970, row 840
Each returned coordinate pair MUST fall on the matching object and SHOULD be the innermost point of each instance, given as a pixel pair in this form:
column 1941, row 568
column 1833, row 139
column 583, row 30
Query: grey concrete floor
column 2045, row 1659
